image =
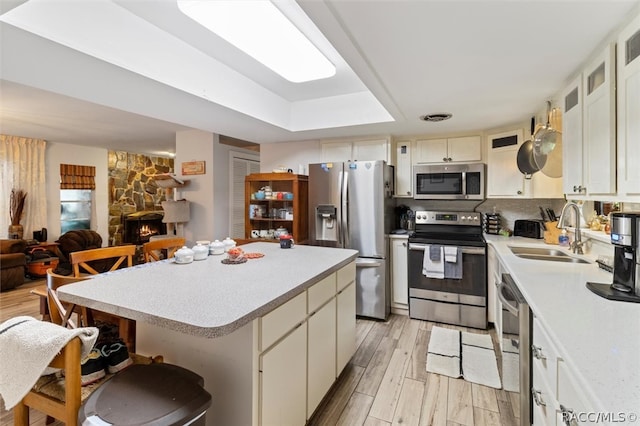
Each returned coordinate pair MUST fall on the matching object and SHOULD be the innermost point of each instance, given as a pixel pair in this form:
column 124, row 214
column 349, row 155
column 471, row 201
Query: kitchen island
column 269, row 336
column 591, row 345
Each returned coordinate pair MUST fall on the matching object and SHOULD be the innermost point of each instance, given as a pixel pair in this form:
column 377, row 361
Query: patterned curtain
column 22, row 166
column 77, row 177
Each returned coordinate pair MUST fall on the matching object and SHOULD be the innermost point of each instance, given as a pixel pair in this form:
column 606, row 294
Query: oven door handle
column 511, row 308
column 465, row 250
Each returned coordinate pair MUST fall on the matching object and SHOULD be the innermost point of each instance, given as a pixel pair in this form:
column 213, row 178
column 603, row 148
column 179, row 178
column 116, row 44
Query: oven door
column 461, row 302
column 474, row 274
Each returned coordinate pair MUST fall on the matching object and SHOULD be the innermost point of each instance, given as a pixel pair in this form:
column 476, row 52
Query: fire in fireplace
column 139, row 227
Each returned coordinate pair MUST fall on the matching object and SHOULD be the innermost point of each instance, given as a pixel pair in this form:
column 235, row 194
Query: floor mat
column 462, row 354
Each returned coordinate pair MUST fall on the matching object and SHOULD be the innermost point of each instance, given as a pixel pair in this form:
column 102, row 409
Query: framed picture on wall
column 193, row 168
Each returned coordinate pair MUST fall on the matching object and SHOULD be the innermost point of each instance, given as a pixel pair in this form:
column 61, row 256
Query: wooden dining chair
column 60, row 397
column 119, row 254
column 152, row 250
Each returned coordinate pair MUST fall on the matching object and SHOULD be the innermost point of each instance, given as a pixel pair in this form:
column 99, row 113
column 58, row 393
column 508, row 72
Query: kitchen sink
column 548, row 254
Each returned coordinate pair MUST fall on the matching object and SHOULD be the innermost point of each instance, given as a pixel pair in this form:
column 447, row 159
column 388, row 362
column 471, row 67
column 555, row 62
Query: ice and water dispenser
column 326, row 223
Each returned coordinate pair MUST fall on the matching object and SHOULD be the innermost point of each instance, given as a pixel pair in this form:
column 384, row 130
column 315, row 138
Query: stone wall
column 132, row 187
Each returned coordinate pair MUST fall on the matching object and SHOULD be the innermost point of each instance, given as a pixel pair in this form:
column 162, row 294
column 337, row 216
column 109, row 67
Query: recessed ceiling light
column 261, row 30
column 441, row 116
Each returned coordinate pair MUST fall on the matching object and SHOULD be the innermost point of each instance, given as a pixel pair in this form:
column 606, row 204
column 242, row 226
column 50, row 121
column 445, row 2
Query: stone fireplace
column 133, row 190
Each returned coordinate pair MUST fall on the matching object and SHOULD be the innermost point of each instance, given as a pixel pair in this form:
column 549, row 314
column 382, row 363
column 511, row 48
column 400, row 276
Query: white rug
column 510, row 365
column 461, row 354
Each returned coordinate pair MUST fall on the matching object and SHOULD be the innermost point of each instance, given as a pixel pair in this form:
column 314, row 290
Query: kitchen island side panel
column 226, row 364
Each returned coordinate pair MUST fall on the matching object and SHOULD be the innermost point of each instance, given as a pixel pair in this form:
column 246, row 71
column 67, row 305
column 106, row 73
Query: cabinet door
column 599, row 123
column 629, row 109
column 572, row 163
column 346, row 326
column 322, row 354
column 371, row 150
column 404, row 176
column 504, row 178
column 399, row 276
column 336, row 152
column 283, row 381
column 431, row 151
column 463, row 149
column 570, row 397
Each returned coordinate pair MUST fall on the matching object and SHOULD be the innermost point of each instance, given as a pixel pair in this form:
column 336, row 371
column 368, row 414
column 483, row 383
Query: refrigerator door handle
column 369, row 263
column 344, row 217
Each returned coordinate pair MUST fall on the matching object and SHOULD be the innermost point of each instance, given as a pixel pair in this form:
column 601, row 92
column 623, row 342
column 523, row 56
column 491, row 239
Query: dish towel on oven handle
column 453, row 262
column 433, row 268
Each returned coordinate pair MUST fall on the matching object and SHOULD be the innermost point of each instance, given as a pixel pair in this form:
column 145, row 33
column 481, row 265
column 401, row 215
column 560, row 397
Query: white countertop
column 599, row 339
column 208, row 298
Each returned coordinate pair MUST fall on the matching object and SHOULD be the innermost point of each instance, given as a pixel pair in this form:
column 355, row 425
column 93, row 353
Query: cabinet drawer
column 544, row 354
column 346, row 275
column 544, row 404
column 278, row 322
column 320, row 292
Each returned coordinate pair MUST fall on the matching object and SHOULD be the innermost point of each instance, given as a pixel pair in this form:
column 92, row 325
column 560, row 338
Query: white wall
column 60, row 153
column 290, row 155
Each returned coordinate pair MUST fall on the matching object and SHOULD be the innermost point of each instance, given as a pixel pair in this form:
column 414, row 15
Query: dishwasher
column 517, row 323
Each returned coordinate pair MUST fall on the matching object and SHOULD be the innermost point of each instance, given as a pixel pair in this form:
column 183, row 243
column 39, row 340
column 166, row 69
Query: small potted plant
column 16, row 207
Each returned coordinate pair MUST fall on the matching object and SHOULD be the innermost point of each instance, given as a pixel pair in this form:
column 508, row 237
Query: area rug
column 462, row 354
column 510, row 365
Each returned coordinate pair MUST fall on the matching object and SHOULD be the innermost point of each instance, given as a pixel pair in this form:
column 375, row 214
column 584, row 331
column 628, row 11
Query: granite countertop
column 599, row 339
column 208, row 298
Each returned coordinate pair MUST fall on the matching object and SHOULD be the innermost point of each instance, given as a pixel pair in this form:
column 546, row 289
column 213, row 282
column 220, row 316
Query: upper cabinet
column 572, row 164
column 460, row 149
column 599, row 123
column 504, row 178
column 367, row 150
column 403, row 169
column 629, row 109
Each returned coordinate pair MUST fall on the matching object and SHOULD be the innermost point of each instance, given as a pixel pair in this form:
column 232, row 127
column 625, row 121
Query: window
column 75, row 209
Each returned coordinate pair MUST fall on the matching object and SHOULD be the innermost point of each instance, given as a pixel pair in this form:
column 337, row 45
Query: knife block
column 552, row 233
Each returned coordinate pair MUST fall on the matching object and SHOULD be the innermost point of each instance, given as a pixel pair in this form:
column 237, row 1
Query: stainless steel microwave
column 449, row 181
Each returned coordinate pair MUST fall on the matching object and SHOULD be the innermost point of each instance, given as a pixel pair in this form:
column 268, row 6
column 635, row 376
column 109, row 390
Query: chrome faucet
column 577, row 244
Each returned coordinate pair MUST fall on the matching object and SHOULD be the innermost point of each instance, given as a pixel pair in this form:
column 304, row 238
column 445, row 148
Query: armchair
column 13, row 262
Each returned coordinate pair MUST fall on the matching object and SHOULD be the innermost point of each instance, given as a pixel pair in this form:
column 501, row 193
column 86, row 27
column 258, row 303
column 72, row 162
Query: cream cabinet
column 403, row 169
column 283, row 381
column 572, row 163
column 504, row 178
column 599, row 123
column 303, row 346
column 628, row 91
column 365, row 150
column 321, row 353
column 399, row 273
column 446, row 150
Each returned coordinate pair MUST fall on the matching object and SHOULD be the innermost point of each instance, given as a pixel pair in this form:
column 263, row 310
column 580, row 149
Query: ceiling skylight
column 261, row 30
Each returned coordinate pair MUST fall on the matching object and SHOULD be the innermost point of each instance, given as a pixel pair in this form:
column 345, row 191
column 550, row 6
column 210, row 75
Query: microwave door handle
column 346, row 243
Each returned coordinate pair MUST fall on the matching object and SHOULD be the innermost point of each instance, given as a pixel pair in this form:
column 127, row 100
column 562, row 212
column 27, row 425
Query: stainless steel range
column 447, row 269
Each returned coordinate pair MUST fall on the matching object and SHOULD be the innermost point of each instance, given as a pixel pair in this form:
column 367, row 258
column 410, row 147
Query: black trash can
column 154, row 394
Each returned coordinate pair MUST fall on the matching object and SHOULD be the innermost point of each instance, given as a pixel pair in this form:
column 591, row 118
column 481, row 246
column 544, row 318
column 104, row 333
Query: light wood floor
column 385, row 383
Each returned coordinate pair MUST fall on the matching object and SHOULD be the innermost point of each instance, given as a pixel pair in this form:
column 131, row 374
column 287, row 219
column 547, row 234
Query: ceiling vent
column 436, row 117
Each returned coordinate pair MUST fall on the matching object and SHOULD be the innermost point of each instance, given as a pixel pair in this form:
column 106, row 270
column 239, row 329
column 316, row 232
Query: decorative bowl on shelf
column 260, row 195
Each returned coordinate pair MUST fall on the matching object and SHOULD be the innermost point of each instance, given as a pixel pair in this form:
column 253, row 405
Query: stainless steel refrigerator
column 351, row 206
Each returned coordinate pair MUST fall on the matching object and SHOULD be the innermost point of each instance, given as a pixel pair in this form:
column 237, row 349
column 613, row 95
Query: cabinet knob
column 519, row 192
column 408, row 192
column 537, row 352
column 537, row 397
column 449, row 159
column 404, row 244
column 444, row 158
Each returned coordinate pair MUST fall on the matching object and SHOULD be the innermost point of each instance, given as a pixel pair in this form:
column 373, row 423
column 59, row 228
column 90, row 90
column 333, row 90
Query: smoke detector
column 441, row 116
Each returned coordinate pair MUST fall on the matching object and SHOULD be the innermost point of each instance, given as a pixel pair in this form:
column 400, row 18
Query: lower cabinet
column 399, row 274
column 322, row 354
column 300, row 358
column 283, row 380
column 346, row 326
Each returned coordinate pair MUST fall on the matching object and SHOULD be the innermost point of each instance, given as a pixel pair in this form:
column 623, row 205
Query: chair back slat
column 151, row 250
column 58, row 311
column 79, row 259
